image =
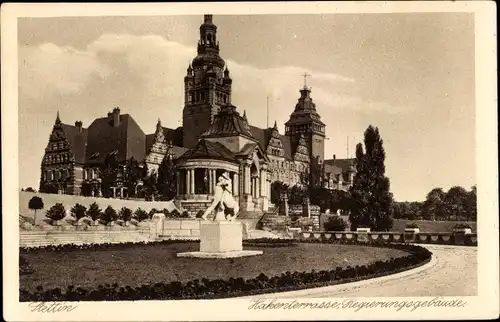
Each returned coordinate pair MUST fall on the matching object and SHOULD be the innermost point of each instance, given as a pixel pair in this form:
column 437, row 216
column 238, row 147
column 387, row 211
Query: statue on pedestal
column 226, row 208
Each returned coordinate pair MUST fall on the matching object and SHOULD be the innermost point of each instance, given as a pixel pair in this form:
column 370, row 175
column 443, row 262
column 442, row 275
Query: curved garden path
column 451, row 272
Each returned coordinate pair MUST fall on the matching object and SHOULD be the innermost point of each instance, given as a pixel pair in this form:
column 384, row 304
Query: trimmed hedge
column 219, row 288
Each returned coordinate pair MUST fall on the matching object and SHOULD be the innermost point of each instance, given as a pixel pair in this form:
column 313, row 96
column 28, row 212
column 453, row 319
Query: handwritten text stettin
column 52, row 307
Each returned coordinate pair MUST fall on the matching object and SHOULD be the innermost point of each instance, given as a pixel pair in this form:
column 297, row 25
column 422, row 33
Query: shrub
column 94, row 212
column 184, row 214
column 152, row 212
column 78, row 211
column 140, row 215
column 412, row 225
column 174, row 214
column 335, row 223
column 199, row 214
column 125, row 214
column 56, row 212
column 165, row 212
column 109, row 215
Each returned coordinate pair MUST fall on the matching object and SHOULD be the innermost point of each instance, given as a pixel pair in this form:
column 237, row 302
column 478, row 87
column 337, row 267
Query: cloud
column 144, row 76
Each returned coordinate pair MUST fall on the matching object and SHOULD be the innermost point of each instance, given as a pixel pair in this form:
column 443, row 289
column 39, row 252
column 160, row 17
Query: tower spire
column 58, row 119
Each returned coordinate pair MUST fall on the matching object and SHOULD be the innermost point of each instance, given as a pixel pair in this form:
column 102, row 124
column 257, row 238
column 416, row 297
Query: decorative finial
column 275, row 124
column 245, row 115
column 305, row 79
column 208, row 18
column 58, row 119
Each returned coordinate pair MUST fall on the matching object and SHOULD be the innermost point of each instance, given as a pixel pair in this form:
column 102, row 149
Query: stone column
column 192, row 181
column 177, row 182
column 263, row 181
column 236, row 184
column 210, row 181
column 188, row 181
column 247, row 179
column 214, row 179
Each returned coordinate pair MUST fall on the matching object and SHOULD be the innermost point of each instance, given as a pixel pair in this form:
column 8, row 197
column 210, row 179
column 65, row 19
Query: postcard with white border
column 263, row 161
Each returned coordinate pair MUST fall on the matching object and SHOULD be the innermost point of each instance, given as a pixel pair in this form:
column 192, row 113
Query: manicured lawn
column 428, row 226
column 143, row 264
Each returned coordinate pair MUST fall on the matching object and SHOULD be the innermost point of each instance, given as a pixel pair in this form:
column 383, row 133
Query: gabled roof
column 209, row 150
column 340, row 166
column 127, row 139
column 263, row 136
column 171, row 135
column 250, row 147
column 77, row 140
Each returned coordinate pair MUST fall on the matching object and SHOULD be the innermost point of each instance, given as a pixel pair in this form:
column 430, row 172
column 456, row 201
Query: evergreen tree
column 167, row 179
column 78, row 211
column 94, row 212
column 371, row 198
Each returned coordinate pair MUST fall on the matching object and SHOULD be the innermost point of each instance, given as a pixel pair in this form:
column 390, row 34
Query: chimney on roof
column 78, row 125
column 114, row 117
column 334, row 157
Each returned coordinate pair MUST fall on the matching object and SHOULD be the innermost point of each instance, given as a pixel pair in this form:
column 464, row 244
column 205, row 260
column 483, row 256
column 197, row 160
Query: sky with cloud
column 412, row 75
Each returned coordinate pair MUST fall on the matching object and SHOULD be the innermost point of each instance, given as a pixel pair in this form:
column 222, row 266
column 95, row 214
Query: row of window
column 304, row 127
column 57, row 158
column 275, row 164
column 59, row 145
column 56, row 174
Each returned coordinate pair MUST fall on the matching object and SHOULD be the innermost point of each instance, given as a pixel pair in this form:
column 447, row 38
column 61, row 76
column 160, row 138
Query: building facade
column 220, row 139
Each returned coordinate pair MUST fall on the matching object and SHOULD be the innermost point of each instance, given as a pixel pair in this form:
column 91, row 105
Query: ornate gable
column 275, row 146
column 301, row 152
column 158, row 150
column 58, row 149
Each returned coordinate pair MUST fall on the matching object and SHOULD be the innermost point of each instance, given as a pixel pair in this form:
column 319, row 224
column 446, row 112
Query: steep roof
column 77, row 140
column 263, row 136
column 126, row 140
column 212, row 150
column 340, row 166
column 228, row 122
column 171, row 135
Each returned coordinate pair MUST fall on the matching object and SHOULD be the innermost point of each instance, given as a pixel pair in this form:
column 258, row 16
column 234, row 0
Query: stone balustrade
column 446, row 238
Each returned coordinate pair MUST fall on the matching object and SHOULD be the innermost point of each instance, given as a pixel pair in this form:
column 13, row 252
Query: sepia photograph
column 292, row 161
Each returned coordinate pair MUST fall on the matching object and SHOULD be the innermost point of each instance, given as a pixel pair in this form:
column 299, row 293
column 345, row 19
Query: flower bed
column 222, row 288
column 24, row 266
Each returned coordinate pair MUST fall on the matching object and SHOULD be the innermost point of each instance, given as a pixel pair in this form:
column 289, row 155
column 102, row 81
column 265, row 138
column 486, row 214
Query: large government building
column 215, row 138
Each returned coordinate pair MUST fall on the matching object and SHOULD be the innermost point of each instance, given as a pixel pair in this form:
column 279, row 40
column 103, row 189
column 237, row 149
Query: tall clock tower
column 207, row 85
column 306, row 121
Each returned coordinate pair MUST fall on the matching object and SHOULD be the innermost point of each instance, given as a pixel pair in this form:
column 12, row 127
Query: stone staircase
column 37, row 239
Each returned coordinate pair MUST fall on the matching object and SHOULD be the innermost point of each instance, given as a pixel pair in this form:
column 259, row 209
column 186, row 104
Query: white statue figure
column 223, row 200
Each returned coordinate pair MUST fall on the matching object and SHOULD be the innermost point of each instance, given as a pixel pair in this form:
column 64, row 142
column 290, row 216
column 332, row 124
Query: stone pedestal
column 220, row 239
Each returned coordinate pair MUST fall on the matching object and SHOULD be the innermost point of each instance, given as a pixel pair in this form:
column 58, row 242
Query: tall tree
column 433, row 204
column 277, row 188
column 371, row 196
column 109, row 173
column 167, row 179
column 133, row 173
column 471, row 204
column 455, row 202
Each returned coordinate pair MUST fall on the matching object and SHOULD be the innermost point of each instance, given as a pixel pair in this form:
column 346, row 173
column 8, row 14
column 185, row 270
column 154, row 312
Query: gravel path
column 452, row 272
